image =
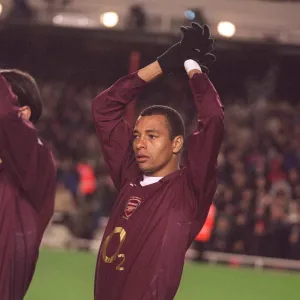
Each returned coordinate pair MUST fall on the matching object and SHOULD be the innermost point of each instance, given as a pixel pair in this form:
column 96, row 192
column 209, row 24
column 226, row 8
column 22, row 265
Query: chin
column 147, row 170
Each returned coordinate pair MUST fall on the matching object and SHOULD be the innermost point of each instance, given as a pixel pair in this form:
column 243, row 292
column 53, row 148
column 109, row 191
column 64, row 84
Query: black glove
column 199, row 38
column 196, row 37
column 195, row 44
column 204, row 60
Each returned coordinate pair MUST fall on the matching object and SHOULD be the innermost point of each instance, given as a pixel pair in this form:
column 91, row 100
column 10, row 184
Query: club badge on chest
column 132, row 204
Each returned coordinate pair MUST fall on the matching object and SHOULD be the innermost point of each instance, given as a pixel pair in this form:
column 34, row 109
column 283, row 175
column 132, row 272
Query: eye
column 152, row 137
column 135, row 136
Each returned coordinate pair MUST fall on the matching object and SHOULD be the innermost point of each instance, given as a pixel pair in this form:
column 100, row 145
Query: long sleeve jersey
column 142, row 253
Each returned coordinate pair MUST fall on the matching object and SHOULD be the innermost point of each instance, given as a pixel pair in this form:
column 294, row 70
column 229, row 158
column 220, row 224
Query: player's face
column 156, row 154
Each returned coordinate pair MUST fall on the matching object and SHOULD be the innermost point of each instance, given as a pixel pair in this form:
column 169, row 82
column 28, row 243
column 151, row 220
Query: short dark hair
column 173, row 118
column 25, row 88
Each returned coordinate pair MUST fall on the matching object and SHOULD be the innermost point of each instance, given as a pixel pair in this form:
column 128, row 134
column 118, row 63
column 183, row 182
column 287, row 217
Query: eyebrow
column 147, row 131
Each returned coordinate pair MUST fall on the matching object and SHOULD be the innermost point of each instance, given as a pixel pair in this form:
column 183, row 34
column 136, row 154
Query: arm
column 114, row 134
column 204, row 144
column 28, row 162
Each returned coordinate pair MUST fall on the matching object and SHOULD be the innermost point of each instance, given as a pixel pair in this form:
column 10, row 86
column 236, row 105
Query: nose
column 140, row 143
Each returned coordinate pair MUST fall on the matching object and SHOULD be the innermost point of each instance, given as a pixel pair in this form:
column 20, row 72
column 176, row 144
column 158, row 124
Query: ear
column 177, row 144
column 25, row 112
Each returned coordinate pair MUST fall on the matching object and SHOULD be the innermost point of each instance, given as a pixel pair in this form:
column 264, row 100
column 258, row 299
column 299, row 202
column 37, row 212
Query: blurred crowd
column 85, row 192
column 258, row 198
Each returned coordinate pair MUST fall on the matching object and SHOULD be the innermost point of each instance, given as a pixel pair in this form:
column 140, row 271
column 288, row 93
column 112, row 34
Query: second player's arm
column 205, row 142
column 114, row 133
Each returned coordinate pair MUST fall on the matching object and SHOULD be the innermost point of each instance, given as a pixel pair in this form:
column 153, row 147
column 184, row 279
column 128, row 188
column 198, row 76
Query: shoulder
column 188, row 182
column 45, row 149
column 180, row 180
column 43, row 145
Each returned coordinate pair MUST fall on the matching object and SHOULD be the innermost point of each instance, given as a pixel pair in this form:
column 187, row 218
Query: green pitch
column 70, row 275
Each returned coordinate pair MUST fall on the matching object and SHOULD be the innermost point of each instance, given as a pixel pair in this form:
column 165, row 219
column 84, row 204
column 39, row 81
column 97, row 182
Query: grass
column 70, row 275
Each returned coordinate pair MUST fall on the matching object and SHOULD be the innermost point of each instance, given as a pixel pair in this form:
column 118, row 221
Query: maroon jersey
column 27, row 188
column 150, row 228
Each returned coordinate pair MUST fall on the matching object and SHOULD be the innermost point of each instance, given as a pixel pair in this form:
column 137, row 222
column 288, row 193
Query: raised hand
column 196, row 37
column 195, row 44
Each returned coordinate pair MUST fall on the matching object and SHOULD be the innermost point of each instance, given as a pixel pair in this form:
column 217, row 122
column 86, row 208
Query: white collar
column 150, row 180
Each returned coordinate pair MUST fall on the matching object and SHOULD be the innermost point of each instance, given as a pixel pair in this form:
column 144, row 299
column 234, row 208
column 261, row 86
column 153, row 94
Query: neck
column 163, row 172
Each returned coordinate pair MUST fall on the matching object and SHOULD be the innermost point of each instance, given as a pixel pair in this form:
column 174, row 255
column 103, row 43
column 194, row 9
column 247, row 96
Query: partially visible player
column 161, row 207
column 27, row 183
